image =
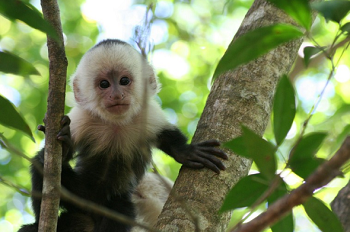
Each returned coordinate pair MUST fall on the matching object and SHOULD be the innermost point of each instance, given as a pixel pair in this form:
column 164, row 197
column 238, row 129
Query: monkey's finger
column 66, row 140
column 41, row 128
column 208, row 163
column 212, row 159
column 65, row 120
column 211, row 166
column 214, row 151
column 194, row 165
column 65, row 131
column 63, row 138
column 209, row 143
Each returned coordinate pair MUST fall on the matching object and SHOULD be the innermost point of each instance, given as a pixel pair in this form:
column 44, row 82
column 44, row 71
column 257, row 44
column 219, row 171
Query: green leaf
column 299, row 10
column 286, row 224
column 305, row 167
column 253, row 146
column 10, row 63
column 302, row 160
column 308, row 145
column 340, row 139
column 346, row 28
column 9, row 117
column 310, row 51
column 261, row 151
column 15, row 9
column 254, row 44
column 283, row 109
column 245, row 193
column 332, row 10
column 322, row 216
column 238, row 146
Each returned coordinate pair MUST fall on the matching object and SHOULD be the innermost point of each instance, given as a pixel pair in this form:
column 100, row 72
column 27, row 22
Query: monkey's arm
column 197, row 155
column 38, row 163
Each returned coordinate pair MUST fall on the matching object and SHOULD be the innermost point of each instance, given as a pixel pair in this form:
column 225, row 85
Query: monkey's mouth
column 117, row 105
column 118, row 108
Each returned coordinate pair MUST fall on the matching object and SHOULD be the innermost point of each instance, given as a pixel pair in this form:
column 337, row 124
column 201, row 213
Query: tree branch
column 55, row 110
column 322, row 176
column 341, row 207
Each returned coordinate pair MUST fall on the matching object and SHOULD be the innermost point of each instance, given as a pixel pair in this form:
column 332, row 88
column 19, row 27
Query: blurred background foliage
column 189, row 38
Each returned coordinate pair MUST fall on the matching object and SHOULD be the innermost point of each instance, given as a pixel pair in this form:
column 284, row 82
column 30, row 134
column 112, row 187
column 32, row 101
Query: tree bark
column 240, row 97
column 55, row 110
column 341, row 207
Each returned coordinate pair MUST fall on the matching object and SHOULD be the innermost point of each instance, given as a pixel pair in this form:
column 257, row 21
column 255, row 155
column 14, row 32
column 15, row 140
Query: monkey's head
column 113, row 81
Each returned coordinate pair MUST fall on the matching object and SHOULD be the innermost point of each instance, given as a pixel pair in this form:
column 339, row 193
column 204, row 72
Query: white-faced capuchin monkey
column 112, row 128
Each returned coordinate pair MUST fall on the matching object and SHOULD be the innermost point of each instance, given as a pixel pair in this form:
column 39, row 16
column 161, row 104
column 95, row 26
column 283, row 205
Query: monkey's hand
column 201, row 155
column 64, row 135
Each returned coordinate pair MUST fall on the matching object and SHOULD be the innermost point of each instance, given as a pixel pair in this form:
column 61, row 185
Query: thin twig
column 18, row 188
column 101, row 210
column 142, row 33
column 13, row 150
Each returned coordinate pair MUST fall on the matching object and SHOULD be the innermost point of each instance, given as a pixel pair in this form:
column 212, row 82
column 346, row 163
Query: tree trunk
column 55, row 110
column 341, row 207
column 240, row 97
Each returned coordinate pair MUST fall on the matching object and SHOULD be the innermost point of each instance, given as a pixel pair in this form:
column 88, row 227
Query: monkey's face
column 114, row 89
column 109, row 94
column 112, row 82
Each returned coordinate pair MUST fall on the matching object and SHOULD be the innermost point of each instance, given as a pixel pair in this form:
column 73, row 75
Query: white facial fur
column 107, row 57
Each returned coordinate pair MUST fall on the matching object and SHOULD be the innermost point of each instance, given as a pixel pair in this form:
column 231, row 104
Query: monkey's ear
column 154, row 84
column 76, row 90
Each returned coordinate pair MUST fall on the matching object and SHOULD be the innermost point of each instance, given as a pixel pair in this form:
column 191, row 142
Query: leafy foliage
column 309, row 51
column 245, row 193
column 253, row 146
column 15, row 9
column 299, row 10
column 322, row 216
column 283, row 109
column 10, row 63
column 346, row 28
column 302, row 157
column 332, row 10
column 11, row 118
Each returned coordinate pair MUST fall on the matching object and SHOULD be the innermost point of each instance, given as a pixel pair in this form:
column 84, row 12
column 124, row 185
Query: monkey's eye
column 124, row 81
column 104, row 84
